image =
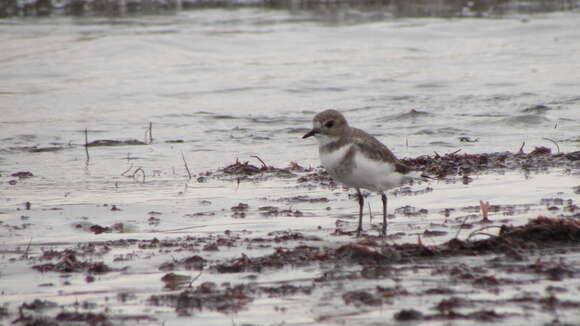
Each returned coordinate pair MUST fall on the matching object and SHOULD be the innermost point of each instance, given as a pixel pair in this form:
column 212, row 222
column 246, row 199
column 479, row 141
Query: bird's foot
column 383, row 233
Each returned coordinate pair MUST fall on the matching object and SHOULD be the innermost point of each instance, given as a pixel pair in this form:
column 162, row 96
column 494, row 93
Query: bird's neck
column 326, row 140
column 333, row 144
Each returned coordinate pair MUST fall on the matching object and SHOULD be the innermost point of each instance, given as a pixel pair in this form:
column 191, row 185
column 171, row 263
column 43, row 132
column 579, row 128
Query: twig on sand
column 461, row 226
column 521, row 151
column 139, row 169
column 195, row 278
column 149, row 134
column 186, row 167
column 479, row 231
column 553, row 141
column 87, row 143
column 264, row 166
column 452, row 153
column 25, row 254
column 484, row 211
column 127, row 171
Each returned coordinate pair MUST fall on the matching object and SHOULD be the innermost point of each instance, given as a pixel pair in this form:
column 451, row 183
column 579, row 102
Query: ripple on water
column 19, row 139
column 403, row 98
column 501, row 84
column 524, row 120
column 537, row 109
column 278, row 120
column 442, row 144
column 310, row 89
column 300, row 131
column 223, row 117
column 410, row 115
column 434, row 84
column 178, row 115
column 482, row 115
column 569, row 100
column 267, row 120
column 506, row 97
column 448, row 131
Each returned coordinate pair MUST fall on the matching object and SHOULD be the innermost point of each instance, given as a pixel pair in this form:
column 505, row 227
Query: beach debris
column 113, row 142
column 22, row 174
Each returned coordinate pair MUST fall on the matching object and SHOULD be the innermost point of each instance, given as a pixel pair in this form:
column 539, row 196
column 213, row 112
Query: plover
column 356, row 159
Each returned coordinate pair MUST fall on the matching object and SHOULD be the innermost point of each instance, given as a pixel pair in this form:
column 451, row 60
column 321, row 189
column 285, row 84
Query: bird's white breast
column 364, row 172
column 332, row 159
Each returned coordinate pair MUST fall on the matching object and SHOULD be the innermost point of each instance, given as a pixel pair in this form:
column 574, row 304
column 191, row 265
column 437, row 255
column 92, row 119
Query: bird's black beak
column 310, row 133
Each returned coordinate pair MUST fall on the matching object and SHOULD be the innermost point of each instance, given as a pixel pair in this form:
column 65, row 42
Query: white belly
column 374, row 175
column 364, row 173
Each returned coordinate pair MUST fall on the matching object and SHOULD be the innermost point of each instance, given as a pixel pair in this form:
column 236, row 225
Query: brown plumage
column 357, row 159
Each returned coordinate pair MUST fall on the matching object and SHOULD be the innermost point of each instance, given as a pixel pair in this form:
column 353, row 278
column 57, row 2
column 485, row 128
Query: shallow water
column 237, row 83
column 230, row 86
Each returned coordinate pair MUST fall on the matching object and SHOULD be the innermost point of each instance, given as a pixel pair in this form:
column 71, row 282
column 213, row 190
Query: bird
column 356, row 159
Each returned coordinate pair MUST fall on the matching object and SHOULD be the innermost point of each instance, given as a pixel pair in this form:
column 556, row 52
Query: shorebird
column 356, row 159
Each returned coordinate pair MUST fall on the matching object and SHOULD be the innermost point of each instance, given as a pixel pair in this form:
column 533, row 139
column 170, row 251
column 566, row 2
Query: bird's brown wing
column 375, row 150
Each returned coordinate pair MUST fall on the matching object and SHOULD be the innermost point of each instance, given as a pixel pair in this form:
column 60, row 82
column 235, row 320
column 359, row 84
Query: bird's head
column 327, row 126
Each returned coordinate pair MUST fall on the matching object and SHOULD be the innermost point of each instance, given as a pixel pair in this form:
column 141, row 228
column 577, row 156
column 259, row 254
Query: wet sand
column 499, row 263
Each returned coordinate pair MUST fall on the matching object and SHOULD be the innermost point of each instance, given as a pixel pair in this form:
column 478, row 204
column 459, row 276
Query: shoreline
column 316, row 275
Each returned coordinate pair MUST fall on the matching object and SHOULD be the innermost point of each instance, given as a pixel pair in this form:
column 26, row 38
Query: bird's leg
column 360, row 216
column 384, row 198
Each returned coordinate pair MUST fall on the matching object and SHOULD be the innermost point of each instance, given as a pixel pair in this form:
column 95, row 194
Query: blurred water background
column 392, row 8
column 221, row 80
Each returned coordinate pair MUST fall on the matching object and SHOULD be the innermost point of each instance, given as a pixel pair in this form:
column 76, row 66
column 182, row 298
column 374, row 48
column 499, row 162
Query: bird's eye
column 329, row 124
